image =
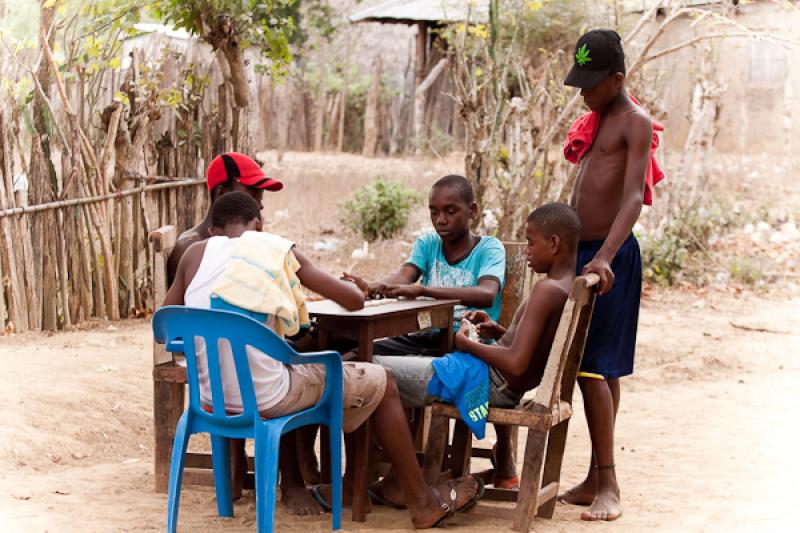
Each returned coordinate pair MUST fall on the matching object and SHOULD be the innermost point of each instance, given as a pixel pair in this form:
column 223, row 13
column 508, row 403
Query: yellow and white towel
column 261, row 276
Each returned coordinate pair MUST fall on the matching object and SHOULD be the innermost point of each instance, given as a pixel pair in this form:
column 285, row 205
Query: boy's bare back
column 549, row 294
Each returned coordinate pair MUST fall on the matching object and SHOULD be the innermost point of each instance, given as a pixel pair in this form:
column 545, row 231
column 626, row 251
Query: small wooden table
column 364, row 326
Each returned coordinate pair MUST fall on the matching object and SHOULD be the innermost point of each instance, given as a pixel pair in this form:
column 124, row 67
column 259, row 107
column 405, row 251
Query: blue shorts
column 611, row 341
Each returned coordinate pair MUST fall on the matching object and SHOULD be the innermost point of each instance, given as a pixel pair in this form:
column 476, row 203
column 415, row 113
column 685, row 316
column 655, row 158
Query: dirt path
column 706, row 440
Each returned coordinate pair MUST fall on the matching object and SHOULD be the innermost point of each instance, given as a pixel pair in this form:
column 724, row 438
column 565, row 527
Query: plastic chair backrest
column 178, row 322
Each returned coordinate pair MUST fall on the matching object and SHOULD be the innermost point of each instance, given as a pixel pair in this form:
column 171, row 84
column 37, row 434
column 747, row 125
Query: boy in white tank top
column 282, row 389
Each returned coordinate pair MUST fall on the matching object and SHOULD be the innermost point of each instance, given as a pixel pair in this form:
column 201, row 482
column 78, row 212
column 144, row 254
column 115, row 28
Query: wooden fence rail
column 93, row 199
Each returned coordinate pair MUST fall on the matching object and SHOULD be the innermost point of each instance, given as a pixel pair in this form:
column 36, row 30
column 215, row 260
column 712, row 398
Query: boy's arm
column 490, row 272
column 481, row 295
column 344, row 293
column 639, row 137
column 174, row 260
column 514, row 360
column 407, row 273
column 184, row 273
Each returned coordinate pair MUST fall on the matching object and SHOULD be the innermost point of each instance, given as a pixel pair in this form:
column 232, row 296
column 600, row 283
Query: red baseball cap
column 233, row 166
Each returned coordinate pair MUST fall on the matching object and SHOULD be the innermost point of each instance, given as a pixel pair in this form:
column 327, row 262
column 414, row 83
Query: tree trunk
column 319, row 109
column 418, row 97
column 371, row 129
column 43, row 181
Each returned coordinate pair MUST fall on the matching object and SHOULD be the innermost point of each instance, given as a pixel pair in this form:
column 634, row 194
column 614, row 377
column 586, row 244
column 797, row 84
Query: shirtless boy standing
column 608, row 197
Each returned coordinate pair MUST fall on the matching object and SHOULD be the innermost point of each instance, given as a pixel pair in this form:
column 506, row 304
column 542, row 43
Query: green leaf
column 582, row 55
column 121, row 97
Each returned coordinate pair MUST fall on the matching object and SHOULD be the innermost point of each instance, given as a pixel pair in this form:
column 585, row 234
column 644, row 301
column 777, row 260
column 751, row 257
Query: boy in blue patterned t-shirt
column 486, row 261
column 452, row 263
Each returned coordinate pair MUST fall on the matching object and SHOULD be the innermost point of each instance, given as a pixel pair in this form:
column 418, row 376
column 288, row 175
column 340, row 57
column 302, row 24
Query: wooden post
column 530, row 481
column 371, row 112
column 345, row 83
column 17, row 311
column 168, row 404
column 168, row 378
column 362, row 439
column 435, row 448
column 418, row 103
column 319, row 109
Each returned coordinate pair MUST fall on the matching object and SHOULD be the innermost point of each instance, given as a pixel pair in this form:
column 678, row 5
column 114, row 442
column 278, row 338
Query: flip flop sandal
column 377, row 499
column 320, row 499
column 481, row 490
column 448, row 508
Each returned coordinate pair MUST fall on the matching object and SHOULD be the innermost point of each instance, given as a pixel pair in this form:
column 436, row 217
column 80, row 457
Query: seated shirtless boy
column 517, row 361
column 369, row 391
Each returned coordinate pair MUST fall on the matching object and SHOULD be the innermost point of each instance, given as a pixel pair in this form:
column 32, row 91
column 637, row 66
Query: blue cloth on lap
column 462, row 379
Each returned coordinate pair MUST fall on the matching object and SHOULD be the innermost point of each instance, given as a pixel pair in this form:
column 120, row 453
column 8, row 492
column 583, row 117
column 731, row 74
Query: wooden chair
column 519, row 279
column 169, row 386
column 518, row 282
column 546, row 417
column 169, row 379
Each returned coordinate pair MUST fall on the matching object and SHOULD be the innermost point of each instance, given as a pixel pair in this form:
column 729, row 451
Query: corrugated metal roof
column 638, row 6
column 410, row 11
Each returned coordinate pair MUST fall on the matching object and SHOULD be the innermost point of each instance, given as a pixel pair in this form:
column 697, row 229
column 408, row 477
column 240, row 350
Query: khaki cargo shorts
column 364, row 387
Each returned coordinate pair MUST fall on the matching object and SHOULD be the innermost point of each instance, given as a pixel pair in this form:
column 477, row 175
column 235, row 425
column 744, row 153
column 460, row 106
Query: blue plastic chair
column 177, row 322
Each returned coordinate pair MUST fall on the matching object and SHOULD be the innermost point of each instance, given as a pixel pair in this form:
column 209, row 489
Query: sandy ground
column 706, row 436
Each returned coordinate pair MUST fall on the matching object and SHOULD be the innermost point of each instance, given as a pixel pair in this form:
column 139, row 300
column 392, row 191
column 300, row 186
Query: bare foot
column 309, row 467
column 441, row 502
column 581, row 494
column 606, row 506
column 326, row 491
column 299, row 501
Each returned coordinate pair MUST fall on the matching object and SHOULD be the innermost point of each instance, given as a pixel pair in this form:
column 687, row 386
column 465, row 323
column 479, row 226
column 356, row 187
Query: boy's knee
column 391, row 385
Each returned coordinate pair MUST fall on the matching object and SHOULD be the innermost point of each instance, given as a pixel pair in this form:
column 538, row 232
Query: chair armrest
column 309, row 358
column 175, row 346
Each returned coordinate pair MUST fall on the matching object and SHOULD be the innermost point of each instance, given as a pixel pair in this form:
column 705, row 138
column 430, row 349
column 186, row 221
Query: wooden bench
column 546, row 417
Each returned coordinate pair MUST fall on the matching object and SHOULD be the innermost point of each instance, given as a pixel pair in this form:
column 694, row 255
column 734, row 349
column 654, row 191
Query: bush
column 379, row 209
column 680, row 244
column 747, row 270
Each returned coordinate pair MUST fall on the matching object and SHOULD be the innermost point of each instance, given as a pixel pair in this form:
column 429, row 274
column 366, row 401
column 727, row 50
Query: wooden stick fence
column 73, row 286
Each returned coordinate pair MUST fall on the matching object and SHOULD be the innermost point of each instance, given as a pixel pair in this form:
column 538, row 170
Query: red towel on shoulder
column 581, row 136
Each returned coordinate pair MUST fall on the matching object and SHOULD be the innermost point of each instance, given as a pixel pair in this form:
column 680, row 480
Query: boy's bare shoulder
column 549, row 292
column 188, row 238
column 194, row 253
column 639, row 121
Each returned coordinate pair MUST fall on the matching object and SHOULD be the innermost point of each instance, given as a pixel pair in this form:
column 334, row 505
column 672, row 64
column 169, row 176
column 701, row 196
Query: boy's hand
column 602, row 268
column 461, row 339
column 370, row 290
column 360, row 283
column 377, row 289
column 477, row 317
column 403, row 291
column 491, row 330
